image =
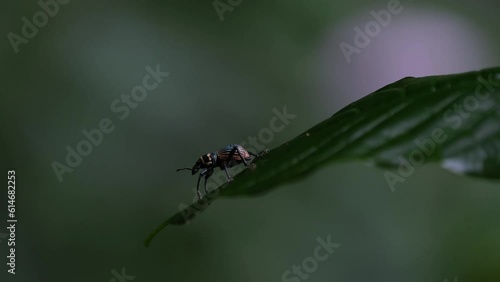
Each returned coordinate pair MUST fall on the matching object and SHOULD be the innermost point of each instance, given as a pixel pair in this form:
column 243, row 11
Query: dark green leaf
column 450, row 119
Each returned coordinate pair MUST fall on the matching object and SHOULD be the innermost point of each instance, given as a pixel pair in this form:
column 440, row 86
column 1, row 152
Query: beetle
column 229, row 156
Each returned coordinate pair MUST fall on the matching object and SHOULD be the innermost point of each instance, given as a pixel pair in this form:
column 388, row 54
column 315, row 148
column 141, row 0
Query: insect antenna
column 186, row 168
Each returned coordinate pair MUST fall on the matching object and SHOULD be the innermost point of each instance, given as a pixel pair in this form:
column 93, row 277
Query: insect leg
column 229, row 178
column 207, row 175
column 203, row 173
column 205, row 187
column 259, row 154
column 231, row 154
column 198, row 187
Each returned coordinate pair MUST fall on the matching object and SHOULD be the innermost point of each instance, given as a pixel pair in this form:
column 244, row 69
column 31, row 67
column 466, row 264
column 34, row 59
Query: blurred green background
column 226, row 77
